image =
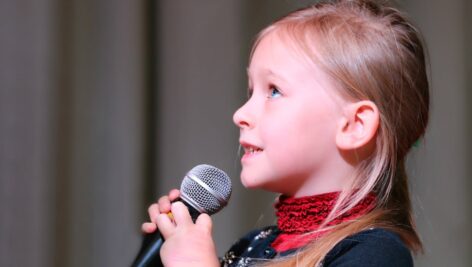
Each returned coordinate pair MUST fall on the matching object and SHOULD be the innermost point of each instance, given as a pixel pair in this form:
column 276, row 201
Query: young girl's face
column 288, row 125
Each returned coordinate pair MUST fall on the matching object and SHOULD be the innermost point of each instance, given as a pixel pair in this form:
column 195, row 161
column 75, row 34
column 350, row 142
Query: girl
column 338, row 94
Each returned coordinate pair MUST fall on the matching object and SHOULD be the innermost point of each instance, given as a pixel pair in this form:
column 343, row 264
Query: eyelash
column 249, row 93
column 272, row 90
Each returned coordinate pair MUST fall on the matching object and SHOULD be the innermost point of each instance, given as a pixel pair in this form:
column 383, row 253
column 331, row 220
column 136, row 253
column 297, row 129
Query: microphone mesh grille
column 216, row 179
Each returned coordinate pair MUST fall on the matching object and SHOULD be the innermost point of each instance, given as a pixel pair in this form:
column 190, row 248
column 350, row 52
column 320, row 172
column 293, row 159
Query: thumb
column 204, row 222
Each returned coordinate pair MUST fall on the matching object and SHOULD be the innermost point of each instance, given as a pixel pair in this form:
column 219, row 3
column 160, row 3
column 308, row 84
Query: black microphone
column 204, row 189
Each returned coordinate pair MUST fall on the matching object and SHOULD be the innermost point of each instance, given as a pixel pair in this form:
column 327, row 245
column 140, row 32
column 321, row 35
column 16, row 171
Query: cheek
column 306, row 121
column 301, row 135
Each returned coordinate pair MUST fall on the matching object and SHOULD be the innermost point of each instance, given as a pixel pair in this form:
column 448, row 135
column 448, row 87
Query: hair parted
column 373, row 53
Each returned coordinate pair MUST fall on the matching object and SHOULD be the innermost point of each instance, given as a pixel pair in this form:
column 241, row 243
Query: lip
column 250, row 150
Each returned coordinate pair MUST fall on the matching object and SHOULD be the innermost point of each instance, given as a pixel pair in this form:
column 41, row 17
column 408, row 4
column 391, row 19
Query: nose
column 241, row 117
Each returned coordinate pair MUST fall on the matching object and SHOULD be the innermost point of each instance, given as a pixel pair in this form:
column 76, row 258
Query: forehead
column 276, row 51
column 281, row 57
column 279, row 53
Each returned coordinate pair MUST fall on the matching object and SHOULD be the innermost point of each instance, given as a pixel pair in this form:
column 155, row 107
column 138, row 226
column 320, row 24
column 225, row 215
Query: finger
column 174, row 194
column 164, row 204
column 204, row 221
column 165, row 225
column 181, row 214
column 153, row 211
column 148, row 227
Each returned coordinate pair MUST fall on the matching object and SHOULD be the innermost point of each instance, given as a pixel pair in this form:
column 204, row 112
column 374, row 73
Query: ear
column 358, row 126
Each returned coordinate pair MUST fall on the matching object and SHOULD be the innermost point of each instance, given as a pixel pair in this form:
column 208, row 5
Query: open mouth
column 251, row 150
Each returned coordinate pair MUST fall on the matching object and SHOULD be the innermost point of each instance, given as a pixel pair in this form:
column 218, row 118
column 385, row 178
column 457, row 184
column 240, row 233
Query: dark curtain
column 72, row 105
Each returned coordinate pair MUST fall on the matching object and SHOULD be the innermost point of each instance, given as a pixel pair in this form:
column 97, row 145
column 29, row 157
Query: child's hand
column 162, row 206
column 186, row 243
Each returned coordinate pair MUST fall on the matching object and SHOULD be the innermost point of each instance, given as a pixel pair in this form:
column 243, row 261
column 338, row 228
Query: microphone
column 204, row 189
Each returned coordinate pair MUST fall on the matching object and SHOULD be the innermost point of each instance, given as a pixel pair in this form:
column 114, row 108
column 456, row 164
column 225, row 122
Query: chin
column 248, row 183
column 251, row 182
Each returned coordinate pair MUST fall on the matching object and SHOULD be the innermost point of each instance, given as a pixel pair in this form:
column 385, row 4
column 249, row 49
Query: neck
column 332, row 177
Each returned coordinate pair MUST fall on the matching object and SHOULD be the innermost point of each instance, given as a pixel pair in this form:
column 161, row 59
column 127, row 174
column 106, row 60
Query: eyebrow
column 269, row 72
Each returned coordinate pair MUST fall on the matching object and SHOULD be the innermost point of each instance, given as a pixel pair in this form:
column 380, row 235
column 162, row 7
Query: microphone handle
column 149, row 255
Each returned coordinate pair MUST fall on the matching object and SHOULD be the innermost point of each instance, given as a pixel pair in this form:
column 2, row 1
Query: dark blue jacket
column 374, row 247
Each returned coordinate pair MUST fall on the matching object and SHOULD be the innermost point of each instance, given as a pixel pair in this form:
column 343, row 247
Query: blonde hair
column 375, row 54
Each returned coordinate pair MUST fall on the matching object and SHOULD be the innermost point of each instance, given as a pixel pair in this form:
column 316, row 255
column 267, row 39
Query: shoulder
column 252, row 246
column 265, row 233
column 374, row 247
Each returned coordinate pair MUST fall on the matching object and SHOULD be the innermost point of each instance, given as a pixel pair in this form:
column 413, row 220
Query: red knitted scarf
column 299, row 216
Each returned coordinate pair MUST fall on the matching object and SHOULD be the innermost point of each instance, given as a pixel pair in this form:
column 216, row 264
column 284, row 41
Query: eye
column 274, row 92
column 249, row 93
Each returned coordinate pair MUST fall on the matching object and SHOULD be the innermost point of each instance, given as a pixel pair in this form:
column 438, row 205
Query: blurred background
column 105, row 105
